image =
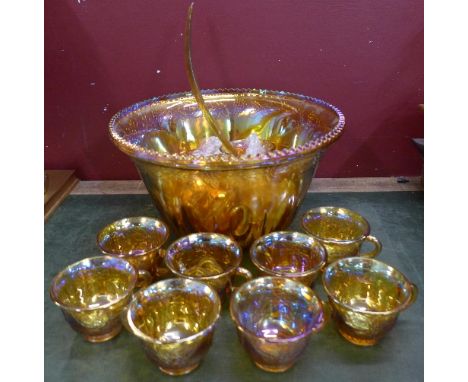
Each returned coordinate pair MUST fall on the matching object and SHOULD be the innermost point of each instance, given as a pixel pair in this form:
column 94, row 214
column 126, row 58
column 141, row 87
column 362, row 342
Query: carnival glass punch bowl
column 242, row 196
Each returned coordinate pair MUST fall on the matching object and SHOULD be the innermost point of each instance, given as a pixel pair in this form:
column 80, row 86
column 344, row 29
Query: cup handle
column 376, row 250
column 414, row 294
column 162, row 271
column 327, row 312
column 145, row 278
column 244, row 273
column 123, row 318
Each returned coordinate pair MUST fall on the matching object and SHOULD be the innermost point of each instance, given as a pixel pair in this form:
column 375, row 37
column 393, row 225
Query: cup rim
column 58, row 276
column 253, row 258
column 276, row 340
column 225, row 160
column 229, row 270
column 137, row 332
column 330, row 240
column 331, row 295
column 143, row 253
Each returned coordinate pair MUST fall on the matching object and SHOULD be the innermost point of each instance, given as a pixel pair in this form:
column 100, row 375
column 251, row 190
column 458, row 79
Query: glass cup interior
column 173, row 310
column 335, row 224
column 367, row 285
column 203, row 255
column 93, row 283
column 276, row 309
column 132, row 236
column 288, row 253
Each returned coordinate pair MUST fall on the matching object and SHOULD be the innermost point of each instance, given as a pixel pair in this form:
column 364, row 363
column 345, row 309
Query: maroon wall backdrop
column 364, row 56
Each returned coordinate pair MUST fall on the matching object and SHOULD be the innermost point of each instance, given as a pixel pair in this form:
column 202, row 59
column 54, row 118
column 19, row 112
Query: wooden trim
column 57, row 184
column 366, row 184
column 115, row 187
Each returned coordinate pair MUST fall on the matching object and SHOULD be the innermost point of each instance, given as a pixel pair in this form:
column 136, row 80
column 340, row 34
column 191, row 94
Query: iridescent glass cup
column 275, row 318
column 92, row 294
column 341, row 231
column 139, row 241
column 366, row 297
column 175, row 320
column 211, row 258
column 294, row 255
column 244, row 196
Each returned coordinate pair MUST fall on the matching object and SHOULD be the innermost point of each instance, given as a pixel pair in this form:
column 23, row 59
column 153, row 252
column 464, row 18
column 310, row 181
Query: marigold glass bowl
column 138, row 240
column 341, row 231
column 93, row 293
column 275, row 318
column 293, row 255
column 175, row 320
column 242, row 196
column 210, row 258
column 366, row 296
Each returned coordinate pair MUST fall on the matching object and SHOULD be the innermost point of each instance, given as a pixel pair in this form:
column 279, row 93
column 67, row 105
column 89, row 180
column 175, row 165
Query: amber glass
column 92, row 294
column 137, row 240
column 175, row 320
column 341, row 231
column 275, row 318
column 289, row 254
column 242, row 196
column 366, row 297
column 207, row 257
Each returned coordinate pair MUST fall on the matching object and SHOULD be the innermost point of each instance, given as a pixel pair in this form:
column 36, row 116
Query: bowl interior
column 203, row 255
column 335, row 223
column 366, row 285
column 175, row 125
column 132, row 236
column 276, row 308
column 93, row 283
column 174, row 309
column 288, row 253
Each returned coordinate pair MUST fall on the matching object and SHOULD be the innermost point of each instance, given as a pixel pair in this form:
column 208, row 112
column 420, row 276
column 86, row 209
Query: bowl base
column 181, row 371
column 273, row 369
column 358, row 341
column 103, row 337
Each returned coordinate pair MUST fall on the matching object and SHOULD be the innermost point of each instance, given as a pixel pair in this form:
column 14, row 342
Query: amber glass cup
column 211, row 258
column 175, row 319
column 275, row 318
column 139, row 241
column 293, row 255
column 366, row 297
column 341, row 231
column 92, row 294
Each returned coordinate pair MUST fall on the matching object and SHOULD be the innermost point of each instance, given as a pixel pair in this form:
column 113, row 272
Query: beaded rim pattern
column 224, row 160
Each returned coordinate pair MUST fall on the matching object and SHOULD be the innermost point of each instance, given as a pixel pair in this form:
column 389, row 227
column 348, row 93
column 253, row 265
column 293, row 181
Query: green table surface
column 396, row 218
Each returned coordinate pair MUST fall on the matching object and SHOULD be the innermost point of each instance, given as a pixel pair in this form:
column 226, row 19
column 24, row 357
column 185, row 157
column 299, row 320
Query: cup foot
column 359, row 341
column 181, row 371
column 273, row 369
column 103, row 337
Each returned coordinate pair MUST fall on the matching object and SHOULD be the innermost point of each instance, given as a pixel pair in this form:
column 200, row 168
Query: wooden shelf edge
column 58, row 185
column 381, row 184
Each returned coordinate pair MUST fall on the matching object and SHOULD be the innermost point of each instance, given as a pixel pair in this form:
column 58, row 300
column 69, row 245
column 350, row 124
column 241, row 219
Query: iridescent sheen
column 139, row 241
column 275, row 318
column 175, row 320
column 366, row 297
column 289, row 254
column 92, row 294
column 211, row 258
column 241, row 196
column 341, row 231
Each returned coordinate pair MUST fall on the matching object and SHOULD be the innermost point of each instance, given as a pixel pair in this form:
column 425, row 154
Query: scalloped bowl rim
column 225, row 160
